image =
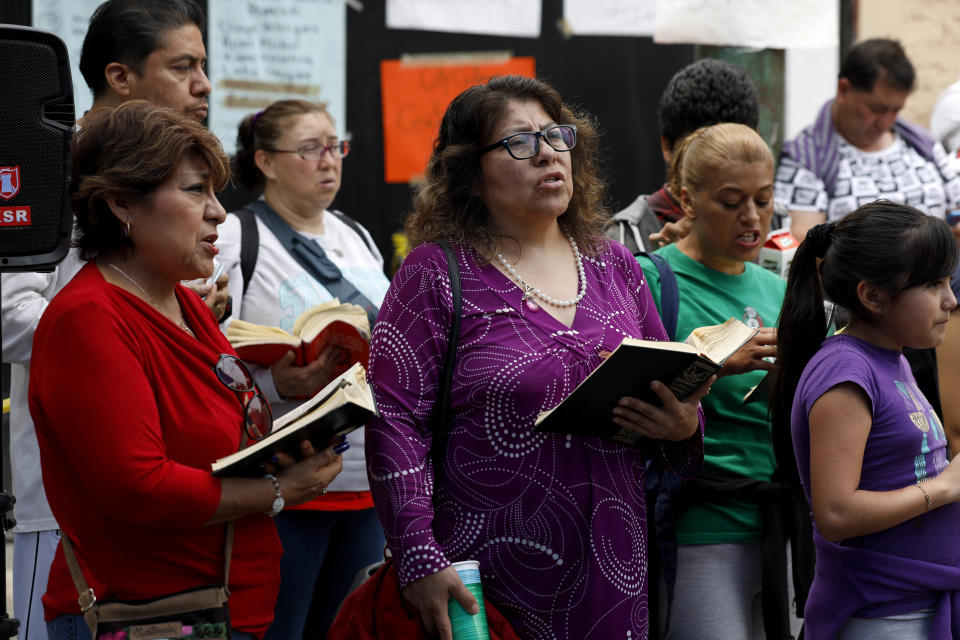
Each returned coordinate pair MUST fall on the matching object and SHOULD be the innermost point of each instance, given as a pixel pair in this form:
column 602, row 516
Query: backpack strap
column 669, row 293
column 249, row 244
column 353, row 224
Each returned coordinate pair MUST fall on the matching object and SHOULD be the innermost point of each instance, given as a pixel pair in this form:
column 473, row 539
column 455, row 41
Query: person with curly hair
column 703, row 93
column 557, row 522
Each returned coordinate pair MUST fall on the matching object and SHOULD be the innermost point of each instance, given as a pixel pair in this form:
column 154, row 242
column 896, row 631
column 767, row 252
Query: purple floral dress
column 557, row 522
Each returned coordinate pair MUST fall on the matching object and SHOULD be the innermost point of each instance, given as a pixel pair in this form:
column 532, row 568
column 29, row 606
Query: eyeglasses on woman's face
column 520, row 146
column 314, row 151
column 233, row 374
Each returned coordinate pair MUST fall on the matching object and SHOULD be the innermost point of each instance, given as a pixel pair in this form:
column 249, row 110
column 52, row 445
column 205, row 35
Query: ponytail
column 801, row 330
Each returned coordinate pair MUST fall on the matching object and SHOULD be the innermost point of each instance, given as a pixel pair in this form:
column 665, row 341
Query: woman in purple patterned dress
column 557, row 522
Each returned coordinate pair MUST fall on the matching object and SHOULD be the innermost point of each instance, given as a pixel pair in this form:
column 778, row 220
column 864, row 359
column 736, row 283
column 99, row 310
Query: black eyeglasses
column 313, row 152
column 233, row 374
column 561, row 137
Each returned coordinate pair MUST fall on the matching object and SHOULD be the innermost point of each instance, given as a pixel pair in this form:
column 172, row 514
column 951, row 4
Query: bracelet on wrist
column 926, row 496
column 278, row 501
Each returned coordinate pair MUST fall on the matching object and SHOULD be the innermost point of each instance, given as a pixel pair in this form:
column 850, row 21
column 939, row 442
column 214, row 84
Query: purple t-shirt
column 906, row 443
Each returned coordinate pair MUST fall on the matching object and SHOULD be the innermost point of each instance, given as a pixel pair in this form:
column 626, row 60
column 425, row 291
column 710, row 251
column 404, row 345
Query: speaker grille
column 32, row 90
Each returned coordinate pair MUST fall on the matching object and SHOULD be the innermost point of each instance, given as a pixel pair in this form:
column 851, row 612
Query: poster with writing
column 415, row 97
column 609, row 17
column 69, row 20
column 261, row 52
column 517, row 18
column 801, row 24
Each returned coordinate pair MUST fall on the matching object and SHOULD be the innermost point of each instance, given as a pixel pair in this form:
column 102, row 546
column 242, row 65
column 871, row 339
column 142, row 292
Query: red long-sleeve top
column 129, row 415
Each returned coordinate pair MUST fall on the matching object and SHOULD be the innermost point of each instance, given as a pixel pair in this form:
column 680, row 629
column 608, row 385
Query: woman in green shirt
column 724, row 174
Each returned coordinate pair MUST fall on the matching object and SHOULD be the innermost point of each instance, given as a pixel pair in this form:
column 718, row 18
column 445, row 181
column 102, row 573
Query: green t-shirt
column 737, row 436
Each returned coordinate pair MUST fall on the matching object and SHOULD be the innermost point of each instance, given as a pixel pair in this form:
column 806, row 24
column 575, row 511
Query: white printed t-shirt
column 898, row 173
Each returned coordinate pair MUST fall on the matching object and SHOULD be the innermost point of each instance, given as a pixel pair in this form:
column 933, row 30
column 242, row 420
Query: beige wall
column 929, row 31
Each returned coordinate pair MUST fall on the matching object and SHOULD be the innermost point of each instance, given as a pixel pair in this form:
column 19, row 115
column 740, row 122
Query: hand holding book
column 295, row 381
column 755, row 354
column 675, row 420
column 682, row 367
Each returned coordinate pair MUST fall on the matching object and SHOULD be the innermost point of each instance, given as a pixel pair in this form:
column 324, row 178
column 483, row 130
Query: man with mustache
column 134, row 50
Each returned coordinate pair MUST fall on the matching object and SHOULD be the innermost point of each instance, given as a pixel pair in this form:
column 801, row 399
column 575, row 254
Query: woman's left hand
column 674, row 421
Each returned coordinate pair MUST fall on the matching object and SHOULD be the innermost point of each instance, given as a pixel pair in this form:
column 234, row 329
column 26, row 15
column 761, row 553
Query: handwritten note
column 610, row 17
column 69, row 20
column 261, row 52
column 518, row 18
column 801, row 24
column 415, row 97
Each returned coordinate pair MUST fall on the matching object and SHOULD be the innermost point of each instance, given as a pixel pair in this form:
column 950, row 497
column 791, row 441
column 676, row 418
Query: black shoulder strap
column 353, row 224
column 438, row 419
column 249, row 244
column 314, row 260
column 669, row 293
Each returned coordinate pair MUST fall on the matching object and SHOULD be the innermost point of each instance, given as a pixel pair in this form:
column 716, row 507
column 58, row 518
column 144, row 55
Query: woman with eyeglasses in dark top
column 305, row 253
column 135, row 391
column 556, row 522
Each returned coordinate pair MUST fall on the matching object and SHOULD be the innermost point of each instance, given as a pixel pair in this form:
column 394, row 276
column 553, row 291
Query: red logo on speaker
column 9, row 182
column 15, row 217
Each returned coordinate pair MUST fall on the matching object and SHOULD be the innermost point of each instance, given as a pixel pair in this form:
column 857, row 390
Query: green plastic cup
column 466, row 626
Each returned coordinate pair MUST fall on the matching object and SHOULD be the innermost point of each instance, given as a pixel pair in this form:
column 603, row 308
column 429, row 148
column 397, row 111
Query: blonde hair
column 709, row 148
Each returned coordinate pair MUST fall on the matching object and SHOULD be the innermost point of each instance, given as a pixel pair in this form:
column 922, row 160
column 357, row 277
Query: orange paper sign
column 415, row 96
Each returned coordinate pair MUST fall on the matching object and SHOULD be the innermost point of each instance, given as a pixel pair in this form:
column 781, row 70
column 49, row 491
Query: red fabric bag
column 376, row 611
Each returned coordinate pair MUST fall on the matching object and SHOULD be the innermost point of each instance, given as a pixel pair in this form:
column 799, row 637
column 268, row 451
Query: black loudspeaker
column 36, row 123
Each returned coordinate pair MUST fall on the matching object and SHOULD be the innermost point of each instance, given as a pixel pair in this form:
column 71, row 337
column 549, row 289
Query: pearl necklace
column 179, row 321
column 529, row 291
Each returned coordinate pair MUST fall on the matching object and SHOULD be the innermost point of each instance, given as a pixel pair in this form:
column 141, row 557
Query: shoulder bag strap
column 313, row 259
column 88, row 599
column 669, row 293
column 249, row 245
column 353, row 224
column 438, row 419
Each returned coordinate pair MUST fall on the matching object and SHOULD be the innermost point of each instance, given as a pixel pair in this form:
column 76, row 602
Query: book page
column 351, row 375
column 719, row 342
column 309, row 328
column 311, row 312
column 659, row 344
column 241, row 332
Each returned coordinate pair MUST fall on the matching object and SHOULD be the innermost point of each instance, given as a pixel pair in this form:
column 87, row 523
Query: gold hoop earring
column 126, row 228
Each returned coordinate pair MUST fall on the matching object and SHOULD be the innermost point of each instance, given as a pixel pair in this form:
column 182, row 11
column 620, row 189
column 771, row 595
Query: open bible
column 337, row 409
column 629, row 370
column 343, row 325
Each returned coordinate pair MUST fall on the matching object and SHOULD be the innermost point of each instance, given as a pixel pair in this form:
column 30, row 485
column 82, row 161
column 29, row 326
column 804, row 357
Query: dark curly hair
column 446, row 204
column 261, row 130
column 706, row 92
column 127, row 152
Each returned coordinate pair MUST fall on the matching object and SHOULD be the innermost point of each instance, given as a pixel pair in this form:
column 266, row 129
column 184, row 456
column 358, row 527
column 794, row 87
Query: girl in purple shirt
column 871, row 454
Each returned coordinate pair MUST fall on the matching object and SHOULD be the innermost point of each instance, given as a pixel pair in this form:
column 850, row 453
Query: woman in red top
column 129, row 390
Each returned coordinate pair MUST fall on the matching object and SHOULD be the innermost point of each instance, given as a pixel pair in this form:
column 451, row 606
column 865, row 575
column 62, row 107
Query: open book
column 330, row 323
column 629, row 370
column 337, row 409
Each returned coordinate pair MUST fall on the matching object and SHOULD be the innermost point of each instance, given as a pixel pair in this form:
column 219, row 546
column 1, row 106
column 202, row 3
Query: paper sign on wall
column 609, row 17
column 261, row 52
column 415, row 97
column 516, row 18
column 749, row 23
